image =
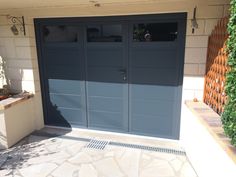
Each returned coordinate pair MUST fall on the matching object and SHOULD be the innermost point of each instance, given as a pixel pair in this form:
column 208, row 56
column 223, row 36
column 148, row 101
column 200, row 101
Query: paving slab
column 68, row 156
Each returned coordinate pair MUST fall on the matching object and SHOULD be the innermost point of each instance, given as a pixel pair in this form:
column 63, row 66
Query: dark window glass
column 60, row 33
column 147, row 32
column 104, row 33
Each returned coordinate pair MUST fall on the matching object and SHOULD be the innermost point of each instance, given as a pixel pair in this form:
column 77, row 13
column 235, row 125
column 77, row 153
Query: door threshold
column 119, row 137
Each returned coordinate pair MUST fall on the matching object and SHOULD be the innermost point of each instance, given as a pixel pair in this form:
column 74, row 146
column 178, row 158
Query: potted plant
column 4, row 89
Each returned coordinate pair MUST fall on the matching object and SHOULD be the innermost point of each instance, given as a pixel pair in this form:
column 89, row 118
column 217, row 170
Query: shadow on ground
column 30, row 147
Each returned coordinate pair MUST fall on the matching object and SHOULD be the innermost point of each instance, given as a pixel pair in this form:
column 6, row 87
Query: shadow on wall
column 2, row 139
column 11, row 77
column 12, row 87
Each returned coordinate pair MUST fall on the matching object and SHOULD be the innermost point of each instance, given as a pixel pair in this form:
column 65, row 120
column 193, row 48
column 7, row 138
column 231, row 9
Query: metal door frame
column 181, row 18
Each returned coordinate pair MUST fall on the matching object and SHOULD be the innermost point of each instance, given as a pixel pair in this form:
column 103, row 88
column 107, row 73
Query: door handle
column 123, row 72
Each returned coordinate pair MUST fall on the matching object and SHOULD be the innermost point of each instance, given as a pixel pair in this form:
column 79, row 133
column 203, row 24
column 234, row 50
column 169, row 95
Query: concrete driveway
column 82, row 153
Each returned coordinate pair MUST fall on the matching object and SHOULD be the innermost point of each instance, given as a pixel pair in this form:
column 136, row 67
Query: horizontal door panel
column 66, row 101
column 72, row 87
column 154, row 59
column 148, row 107
column 105, row 57
column 153, row 92
column 152, row 125
column 107, row 120
column 64, row 73
column 63, row 57
column 154, row 76
column 99, row 89
column 106, row 104
column 73, row 116
column 105, row 74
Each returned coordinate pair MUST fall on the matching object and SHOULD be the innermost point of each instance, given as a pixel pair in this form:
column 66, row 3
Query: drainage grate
column 149, row 148
column 97, row 144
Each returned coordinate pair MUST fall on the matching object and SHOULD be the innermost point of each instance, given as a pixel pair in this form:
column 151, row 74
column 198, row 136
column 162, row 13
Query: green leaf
column 228, row 117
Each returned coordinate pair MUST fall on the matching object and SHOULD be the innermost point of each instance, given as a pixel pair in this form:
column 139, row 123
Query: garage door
column 119, row 74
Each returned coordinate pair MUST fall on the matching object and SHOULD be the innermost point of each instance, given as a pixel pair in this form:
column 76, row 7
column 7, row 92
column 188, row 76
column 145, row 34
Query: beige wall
column 206, row 155
column 16, row 122
column 20, row 51
column 19, row 121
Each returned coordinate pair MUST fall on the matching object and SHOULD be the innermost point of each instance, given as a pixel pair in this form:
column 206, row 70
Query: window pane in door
column 148, row 32
column 104, row 33
column 60, row 33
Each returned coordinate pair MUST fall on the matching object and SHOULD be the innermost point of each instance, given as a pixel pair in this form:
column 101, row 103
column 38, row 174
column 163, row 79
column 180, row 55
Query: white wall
column 208, row 158
column 20, row 51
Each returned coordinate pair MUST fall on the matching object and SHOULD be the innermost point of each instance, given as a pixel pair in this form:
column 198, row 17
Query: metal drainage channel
column 149, row 148
column 101, row 144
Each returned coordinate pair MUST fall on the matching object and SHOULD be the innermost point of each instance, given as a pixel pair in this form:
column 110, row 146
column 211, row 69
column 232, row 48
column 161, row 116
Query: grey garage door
column 119, row 74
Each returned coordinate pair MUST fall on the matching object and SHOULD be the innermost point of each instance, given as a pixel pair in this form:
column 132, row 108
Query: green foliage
column 229, row 115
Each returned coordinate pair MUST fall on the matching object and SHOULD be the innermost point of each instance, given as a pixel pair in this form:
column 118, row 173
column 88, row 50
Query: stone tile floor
column 40, row 156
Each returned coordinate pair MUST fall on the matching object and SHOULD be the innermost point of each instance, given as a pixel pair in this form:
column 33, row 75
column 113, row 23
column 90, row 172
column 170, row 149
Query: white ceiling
column 4, row 4
column 12, row 4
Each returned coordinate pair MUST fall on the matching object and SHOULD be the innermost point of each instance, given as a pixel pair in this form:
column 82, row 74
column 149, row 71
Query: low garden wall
column 202, row 137
column 16, row 120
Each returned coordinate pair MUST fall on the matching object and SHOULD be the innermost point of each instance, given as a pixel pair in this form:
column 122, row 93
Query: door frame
column 181, row 17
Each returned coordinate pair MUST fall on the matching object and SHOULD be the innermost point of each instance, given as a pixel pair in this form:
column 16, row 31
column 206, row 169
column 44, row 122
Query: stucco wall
column 19, row 120
column 204, row 152
column 21, row 57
